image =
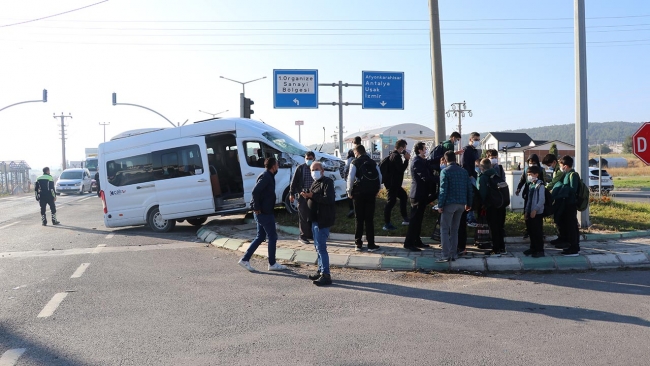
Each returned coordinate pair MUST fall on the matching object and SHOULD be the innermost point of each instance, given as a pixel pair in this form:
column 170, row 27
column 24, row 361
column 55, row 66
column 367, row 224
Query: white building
column 381, row 141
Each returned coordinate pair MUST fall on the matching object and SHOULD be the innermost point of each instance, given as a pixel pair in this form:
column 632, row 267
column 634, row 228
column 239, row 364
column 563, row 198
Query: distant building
column 513, row 156
column 500, row 140
column 379, row 142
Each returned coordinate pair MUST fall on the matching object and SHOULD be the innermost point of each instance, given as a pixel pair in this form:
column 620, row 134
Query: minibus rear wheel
column 197, row 222
column 157, row 223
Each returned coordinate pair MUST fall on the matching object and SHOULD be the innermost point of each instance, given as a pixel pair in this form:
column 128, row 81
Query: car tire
column 197, row 222
column 157, row 223
column 291, row 208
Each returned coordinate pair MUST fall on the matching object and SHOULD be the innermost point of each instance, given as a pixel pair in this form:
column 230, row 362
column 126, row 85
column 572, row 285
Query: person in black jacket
column 263, row 203
column 97, row 183
column 470, row 155
column 302, row 181
column 46, row 195
column 533, row 160
column 363, row 193
column 321, row 198
column 393, row 183
column 420, row 195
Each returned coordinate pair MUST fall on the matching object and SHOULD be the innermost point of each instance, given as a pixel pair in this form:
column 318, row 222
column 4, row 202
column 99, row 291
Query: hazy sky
column 510, row 60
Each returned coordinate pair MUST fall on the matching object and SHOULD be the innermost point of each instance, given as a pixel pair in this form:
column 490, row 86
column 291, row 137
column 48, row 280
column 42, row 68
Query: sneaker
column 389, row 227
column 323, row 280
column 247, row 265
column 406, row 222
column 304, row 241
column 412, row 248
column 373, row 248
column 538, row 255
column 314, row 277
column 472, row 224
column 528, row 252
column 351, row 214
column 462, row 254
column 422, row 245
column 562, row 245
column 277, row 267
column 484, row 246
column 494, row 254
column 358, row 248
column 569, row 253
column 442, row 260
column 557, row 241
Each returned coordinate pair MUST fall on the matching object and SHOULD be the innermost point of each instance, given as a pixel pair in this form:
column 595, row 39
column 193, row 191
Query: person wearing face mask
column 550, row 160
column 364, row 183
column 496, row 217
column 301, row 182
column 533, row 160
column 322, row 213
column 393, row 183
column 494, row 162
column 421, row 195
column 262, row 203
column 533, row 211
column 564, row 194
column 470, row 155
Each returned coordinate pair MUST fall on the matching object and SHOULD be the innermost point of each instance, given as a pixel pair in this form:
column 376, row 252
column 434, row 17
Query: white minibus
column 160, row 176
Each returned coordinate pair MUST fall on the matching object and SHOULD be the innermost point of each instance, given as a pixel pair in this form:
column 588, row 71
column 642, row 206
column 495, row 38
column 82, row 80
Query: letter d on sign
column 641, row 144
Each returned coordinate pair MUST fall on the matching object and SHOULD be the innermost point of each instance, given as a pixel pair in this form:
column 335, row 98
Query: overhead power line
column 54, row 15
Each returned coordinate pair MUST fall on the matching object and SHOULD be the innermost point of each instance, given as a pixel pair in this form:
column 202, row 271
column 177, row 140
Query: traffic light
column 247, row 107
column 114, row 98
column 44, row 95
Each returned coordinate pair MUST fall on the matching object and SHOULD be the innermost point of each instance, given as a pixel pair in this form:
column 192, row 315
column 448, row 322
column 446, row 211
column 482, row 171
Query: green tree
column 603, row 149
column 553, row 150
column 627, row 145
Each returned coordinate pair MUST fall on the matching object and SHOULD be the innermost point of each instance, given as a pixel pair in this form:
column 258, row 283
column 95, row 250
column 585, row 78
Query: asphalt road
column 631, row 196
column 143, row 299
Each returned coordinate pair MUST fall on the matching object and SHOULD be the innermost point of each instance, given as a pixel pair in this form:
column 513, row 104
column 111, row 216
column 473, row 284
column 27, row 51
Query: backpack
column 383, row 167
column 435, row 156
column 582, row 196
column 548, row 204
column 367, row 177
column 498, row 192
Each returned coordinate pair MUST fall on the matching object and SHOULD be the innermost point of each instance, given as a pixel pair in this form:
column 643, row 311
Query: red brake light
column 101, row 194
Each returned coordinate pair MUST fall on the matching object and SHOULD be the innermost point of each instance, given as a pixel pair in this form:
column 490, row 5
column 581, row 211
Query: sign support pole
column 340, row 103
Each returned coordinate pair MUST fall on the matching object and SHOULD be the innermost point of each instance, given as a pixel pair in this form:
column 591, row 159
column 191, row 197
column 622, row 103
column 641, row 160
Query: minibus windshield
column 286, row 143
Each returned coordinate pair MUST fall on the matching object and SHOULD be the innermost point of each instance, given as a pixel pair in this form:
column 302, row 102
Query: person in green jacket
column 449, row 144
column 496, row 217
column 46, row 195
column 566, row 214
column 550, row 161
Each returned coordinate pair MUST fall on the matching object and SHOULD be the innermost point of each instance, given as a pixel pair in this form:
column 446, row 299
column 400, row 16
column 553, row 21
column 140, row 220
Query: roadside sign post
column 299, row 123
column 640, row 143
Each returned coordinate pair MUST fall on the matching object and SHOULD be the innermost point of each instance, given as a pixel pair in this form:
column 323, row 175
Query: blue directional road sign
column 295, row 89
column 382, row 90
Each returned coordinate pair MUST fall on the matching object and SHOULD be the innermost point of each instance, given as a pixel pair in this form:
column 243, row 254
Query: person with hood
column 533, row 160
column 496, row 217
column 301, row 182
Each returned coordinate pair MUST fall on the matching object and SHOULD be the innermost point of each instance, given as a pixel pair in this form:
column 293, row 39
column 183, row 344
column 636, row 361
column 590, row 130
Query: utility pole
column 63, row 117
column 436, row 74
column 340, row 104
column 458, row 110
column 581, row 165
column 104, row 124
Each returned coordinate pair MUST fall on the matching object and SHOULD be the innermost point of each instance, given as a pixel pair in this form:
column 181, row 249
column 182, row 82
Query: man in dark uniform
column 46, row 195
column 97, row 183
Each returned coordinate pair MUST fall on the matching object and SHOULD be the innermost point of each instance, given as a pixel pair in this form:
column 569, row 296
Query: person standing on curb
column 46, row 195
column 456, row 195
column 302, row 181
column 496, row 217
column 550, row 160
column 533, row 212
column 348, row 166
column 263, row 203
column 567, row 210
column 364, row 182
column 420, row 195
column 393, row 183
column 321, row 199
column 470, row 155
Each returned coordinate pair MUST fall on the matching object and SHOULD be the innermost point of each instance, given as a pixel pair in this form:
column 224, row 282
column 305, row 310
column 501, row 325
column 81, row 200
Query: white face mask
column 494, row 161
column 476, row 143
column 316, row 174
column 532, row 179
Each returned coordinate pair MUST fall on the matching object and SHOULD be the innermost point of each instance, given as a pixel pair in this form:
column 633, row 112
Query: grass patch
column 608, row 215
column 632, row 182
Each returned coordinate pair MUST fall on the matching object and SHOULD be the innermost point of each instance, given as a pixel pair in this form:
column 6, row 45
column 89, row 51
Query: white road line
column 99, row 248
column 107, row 236
column 6, row 226
column 80, row 270
column 10, row 357
column 83, row 199
column 52, row 305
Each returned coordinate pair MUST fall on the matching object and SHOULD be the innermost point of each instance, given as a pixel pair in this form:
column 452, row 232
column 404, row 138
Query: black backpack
column 367, row 183
column 383, row 167
column 548, row 203
column 435, row 156
column 498, row 192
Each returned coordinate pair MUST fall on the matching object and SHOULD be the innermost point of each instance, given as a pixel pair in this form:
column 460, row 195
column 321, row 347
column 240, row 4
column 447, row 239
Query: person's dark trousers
column 496, row 219
column 536, row 231
column 265, row 227
column 364, row 212
column 462, row 233
column 393, row 194
column 569, row 223
column 415, row 223
column 303, row 214
column 44, row 202
column 351, row 204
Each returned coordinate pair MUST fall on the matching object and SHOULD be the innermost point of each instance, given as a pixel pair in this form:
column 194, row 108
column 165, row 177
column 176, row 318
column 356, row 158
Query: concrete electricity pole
column 104, row 124
column 581, row 165
column 63, row 162
column 436, row 73
column 458, row 110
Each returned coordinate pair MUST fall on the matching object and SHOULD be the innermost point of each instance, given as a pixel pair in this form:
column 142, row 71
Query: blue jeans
column 320, row 242
column 265, row 227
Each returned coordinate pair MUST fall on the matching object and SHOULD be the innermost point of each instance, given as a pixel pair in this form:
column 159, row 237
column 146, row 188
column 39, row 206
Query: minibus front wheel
column 157, row 223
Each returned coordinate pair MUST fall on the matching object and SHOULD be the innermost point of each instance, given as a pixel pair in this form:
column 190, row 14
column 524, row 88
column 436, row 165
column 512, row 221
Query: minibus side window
column 130, row 170
column 177, row 162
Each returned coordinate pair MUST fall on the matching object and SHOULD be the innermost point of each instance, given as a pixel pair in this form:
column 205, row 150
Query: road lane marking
column 10, row 357
column 99, row 248
column 52, row 305
column 83, row 199
column 110, row 235
column 80, row 270
column 6, row 226
column 104, row 250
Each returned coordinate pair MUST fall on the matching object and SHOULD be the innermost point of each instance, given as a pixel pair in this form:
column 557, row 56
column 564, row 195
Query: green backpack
column 582, row 195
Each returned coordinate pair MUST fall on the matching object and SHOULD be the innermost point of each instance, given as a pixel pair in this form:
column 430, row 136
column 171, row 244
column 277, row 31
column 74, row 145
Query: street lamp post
column 104, row 124
column 243, row 89
column 214, row 114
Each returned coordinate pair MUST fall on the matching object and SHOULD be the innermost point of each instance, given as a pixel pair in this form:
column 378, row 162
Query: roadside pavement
column 598, row 251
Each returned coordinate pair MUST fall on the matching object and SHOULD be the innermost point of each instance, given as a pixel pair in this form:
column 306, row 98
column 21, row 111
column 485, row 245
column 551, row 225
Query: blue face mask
column 316, row 174
column 443, row 166
column 309, row 162
column 478, row 170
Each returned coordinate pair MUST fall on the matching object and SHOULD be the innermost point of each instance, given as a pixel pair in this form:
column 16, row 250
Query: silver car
column 75, row 180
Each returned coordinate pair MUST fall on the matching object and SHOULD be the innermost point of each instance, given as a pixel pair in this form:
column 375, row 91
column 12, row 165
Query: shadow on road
column 619, row 282
column 35, row 352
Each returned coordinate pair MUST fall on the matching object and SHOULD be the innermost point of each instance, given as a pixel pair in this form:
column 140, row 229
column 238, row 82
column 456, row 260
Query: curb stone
column 503, row 264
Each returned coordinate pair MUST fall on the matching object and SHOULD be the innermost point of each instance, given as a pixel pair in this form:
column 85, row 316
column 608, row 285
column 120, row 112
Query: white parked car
column 607, row 181
column 75, row 180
